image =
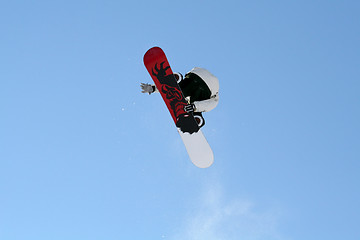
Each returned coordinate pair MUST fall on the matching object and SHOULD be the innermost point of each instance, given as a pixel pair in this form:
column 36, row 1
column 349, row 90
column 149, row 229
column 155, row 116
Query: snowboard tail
column 198, row 149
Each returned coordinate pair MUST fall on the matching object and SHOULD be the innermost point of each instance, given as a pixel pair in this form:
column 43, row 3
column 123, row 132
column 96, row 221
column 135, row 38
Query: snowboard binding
column 187, row 124
column 199, row 119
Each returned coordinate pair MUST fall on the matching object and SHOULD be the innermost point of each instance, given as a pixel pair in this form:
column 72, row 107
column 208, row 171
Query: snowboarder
column 198, row 92
column 200, row 88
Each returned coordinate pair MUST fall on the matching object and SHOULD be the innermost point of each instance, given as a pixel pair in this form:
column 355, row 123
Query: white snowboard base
column 198, row 148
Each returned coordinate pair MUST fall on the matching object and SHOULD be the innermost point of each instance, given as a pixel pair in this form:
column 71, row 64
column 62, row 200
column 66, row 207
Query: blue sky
column 85, row 155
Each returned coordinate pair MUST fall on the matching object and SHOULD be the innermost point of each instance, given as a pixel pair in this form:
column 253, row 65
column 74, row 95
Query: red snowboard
column 160, row 71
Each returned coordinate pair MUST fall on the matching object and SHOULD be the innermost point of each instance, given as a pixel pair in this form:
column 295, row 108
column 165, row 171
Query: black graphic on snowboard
column 175, row 98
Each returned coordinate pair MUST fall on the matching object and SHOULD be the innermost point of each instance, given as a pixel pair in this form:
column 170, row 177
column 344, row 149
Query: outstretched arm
column 150, row 88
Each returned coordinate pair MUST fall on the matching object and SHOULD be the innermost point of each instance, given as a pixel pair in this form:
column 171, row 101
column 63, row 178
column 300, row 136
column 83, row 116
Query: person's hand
column 147, row 88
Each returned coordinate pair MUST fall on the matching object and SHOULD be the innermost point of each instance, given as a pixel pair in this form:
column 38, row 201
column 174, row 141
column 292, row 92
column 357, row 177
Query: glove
column 147, row 88
column 189, row 108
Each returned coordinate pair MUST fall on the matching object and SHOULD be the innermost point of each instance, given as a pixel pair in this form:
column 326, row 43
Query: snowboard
column 198, row 148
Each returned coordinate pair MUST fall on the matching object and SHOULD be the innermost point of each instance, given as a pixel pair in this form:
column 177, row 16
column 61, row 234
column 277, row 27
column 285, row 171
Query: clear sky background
column 85, row 156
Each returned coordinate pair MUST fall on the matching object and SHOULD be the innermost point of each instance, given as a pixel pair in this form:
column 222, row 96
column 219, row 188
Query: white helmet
column 211, row 81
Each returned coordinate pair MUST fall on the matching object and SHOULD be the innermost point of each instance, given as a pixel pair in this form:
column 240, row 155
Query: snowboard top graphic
column 160, row 71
